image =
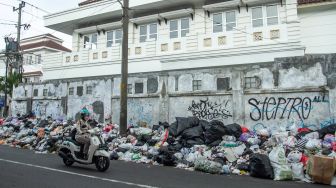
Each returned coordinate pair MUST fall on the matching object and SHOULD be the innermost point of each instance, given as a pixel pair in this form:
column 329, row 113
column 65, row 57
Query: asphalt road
column 22, row 168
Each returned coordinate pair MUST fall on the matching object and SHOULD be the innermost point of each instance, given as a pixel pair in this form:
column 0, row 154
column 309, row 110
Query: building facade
column 254, row 62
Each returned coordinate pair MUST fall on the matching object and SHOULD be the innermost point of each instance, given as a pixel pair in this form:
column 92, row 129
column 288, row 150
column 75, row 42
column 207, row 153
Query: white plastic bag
column 282, row 171
column 294, row 156
column 297, row 169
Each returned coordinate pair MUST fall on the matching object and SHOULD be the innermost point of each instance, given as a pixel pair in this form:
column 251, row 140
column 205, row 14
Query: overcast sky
column 7, row 16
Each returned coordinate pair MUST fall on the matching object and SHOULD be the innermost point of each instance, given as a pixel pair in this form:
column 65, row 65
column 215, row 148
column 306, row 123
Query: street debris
column 294, row 153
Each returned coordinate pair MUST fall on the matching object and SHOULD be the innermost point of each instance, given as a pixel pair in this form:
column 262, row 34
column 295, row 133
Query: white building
column 33, row 48
column 209, row 58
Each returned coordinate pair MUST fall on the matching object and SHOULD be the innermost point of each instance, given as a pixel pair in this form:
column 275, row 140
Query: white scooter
column 71, row 151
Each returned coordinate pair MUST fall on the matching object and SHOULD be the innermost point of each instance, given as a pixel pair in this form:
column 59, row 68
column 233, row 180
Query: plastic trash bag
column 282, row 170
column 313, row 144
column 205, row 165
column 260, row 166
column 294, row 156
column 297, row 170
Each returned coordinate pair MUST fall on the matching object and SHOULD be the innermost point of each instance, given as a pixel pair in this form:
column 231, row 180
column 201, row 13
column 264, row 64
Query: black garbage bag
column 145, row 138
column 166, row 157
column 193, row 132
column 185, row 123
column 152, row 142
column 191, row 142
column 234, row 130
column 204, row 124
column 173, row 129
column 243, row 166
column 260, row 166
column 331, row 129
column 215, row 143
column 114, row 156
column 140, row 143
column 122, row 150
column 175, row 147
column 215, row 132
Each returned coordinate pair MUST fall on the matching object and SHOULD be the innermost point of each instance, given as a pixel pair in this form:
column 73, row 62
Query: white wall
column 318, row 29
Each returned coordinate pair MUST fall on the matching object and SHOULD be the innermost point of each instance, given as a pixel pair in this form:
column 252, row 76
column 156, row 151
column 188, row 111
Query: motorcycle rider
column 82, row 135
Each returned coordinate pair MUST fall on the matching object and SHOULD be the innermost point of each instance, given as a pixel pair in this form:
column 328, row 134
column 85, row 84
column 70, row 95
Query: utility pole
column 124, row 71
column 18, row 57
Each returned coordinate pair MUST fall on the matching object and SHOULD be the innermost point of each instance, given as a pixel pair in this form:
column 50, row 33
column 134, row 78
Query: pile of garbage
column 289, row 153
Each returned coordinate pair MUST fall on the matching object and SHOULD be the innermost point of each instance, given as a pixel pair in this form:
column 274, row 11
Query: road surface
column 23, row 168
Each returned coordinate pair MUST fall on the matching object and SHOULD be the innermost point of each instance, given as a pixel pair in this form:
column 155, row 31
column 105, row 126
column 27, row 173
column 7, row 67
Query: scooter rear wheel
column 102, row 163
column 68, row 162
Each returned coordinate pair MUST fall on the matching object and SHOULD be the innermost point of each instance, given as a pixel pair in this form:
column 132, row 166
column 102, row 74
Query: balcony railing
column 190, row 43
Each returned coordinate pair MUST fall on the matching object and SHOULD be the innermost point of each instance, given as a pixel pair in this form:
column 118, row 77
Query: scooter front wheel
column 102, row 163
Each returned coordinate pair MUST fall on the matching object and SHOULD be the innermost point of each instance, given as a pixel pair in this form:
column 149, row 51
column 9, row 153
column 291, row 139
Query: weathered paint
column 305, row 84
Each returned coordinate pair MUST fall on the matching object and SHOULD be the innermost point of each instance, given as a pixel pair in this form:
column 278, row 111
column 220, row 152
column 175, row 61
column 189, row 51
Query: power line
column 32, row 15
column 1, row 23
column 8, row 20
column 36, row 7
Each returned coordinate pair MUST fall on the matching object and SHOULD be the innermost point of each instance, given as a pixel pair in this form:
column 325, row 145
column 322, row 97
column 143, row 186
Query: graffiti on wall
column 271, row 108
column 205, row 109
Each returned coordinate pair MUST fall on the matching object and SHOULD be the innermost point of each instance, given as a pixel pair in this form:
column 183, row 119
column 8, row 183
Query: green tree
column 13, row 79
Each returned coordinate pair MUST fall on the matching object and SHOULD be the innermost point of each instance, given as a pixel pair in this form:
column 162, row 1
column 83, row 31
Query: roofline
column 47, row 35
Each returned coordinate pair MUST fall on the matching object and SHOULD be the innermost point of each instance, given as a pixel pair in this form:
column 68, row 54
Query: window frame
column 197, row 85
column 89, row 88
column 265, row 17
column 71, row 91
column 129, row 88
column 179, row 29
column 277, row 14
column 35, row 92
column 89, row 44
column 148, row 32
column 114, row 39
column 257, row 82
column 45, row 92
column 224, row 24
column 135, row 91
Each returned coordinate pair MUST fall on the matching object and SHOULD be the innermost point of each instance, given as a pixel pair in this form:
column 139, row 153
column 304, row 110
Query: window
column 45, row 92
column 152, row 85
column 71, row 91
column 29, row 59
column 113, row 37
column 223, row 83
column 218, row 19
column 257, row 17
column 267, row 14
column 38, row 59
column 252, row 82
column 35, row 92
column 179, row 28
column 138, row 88
column 26, row 93
column 88, row 90
column 197, row 85
column 230, row 20
column 272, row 14
column 90, row 41
column 148, row 31
column 80, row 90
column 217, row 23
column 176, row 83
column 129, row 88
